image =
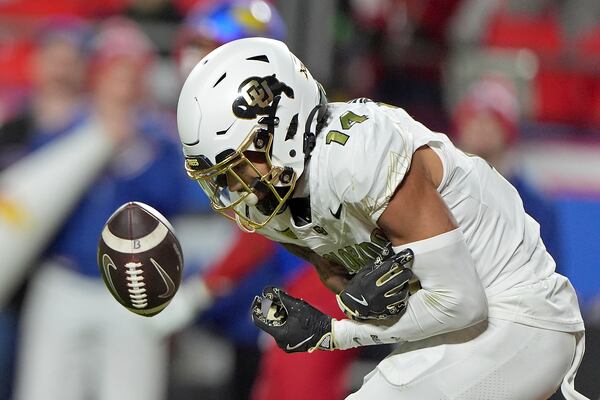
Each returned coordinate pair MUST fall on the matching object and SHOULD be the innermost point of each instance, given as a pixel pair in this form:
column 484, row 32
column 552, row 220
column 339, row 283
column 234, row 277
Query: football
column 140, row 258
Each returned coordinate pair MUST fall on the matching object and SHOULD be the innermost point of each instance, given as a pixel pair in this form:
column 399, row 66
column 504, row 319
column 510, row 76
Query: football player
column 234, row 279
column 375, row 201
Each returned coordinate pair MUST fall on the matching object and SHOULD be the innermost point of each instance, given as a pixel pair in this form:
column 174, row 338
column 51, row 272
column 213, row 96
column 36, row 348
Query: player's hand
column 192, row 298
column 380, row 290
column 294, row 324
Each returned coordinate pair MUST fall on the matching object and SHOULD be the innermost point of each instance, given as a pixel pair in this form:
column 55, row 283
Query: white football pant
column 494, row 360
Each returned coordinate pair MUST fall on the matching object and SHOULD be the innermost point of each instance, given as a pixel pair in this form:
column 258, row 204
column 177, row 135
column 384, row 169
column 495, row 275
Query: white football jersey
column 359, row 160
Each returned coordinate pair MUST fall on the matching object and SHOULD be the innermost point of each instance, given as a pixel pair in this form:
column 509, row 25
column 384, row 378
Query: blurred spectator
column 56, row 108
column 43, row 8
column 486, row 123
column 57, row 71
column 9, row 106
column 77, row 342
column 208, row 26
column 152, row 11
column 393, row 51
column 563, row 36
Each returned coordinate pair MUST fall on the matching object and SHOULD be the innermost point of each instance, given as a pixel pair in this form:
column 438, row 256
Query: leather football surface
column 140, row 258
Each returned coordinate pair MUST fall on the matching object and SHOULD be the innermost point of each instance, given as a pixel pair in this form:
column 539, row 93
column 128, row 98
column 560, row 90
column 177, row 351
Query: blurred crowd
column 497, row 76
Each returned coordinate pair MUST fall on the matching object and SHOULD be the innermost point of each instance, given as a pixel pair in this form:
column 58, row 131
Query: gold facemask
column 241, row 205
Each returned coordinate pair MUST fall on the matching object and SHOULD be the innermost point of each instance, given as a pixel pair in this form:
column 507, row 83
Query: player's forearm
column 335, row 283
column 451, row 297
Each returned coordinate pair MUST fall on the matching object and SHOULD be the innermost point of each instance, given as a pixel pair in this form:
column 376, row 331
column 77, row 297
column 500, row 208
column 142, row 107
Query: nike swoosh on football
column 107, row 264
column 359, row 301
column 338, row 213
column 166, row 279
column 288, row 347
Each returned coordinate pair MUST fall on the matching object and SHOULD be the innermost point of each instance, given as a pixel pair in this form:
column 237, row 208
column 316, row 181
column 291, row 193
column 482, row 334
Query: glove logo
column 288, row 347
column 362, row 299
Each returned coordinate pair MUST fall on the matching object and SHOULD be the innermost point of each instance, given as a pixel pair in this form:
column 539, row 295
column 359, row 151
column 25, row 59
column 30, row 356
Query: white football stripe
column 135, row 246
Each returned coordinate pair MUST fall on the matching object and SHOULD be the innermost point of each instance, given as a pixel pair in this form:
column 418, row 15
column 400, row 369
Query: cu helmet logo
column 256, row 95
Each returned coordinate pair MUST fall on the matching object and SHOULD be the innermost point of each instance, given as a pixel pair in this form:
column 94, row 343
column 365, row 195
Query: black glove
column 380, row 290
column 295, row 324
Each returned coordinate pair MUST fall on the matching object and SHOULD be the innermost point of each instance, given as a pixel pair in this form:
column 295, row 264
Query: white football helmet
column 249, row 95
